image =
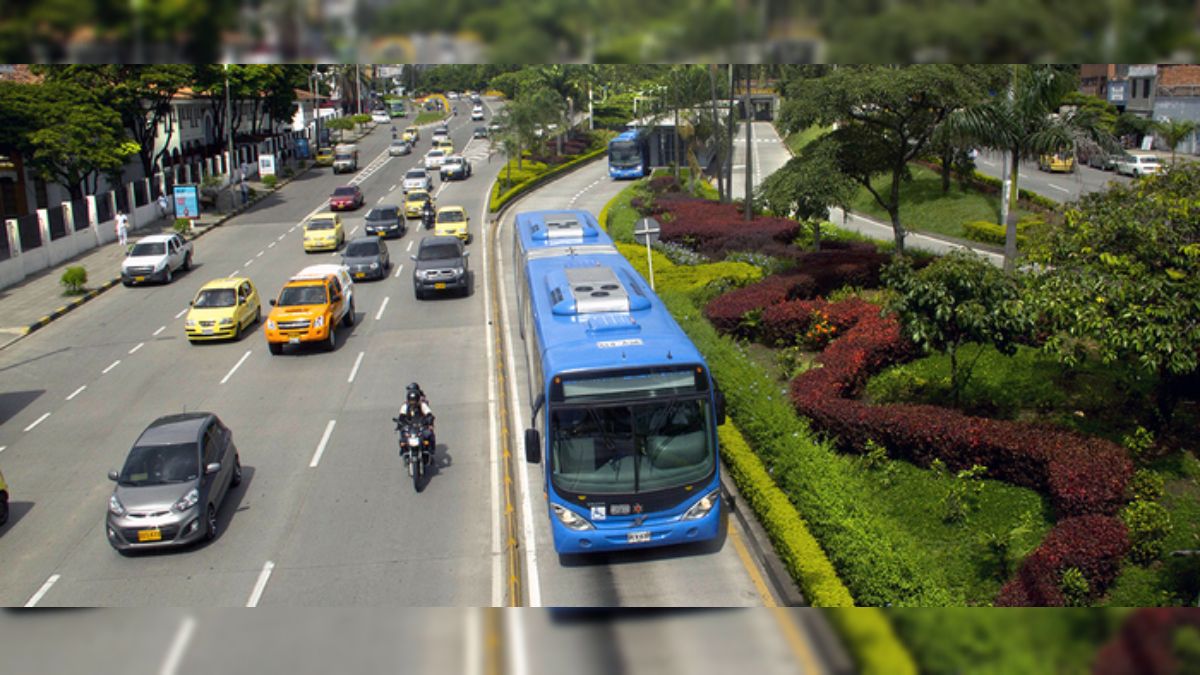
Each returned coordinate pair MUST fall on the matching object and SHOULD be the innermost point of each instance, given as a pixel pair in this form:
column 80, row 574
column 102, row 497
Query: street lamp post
column 229, row 126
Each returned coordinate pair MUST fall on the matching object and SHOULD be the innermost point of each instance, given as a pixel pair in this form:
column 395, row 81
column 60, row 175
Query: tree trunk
column 816, row 226
column 749, row 196
column 676, row 142
column 1166, row 397
column 893, row 209
column 712, row 86
column 727, row 168
column 954, row 383
column 1008, row 205
column 947, row 164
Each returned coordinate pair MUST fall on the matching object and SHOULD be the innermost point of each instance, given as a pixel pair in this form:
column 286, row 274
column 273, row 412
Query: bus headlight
column 570, row 519
column 704, row 506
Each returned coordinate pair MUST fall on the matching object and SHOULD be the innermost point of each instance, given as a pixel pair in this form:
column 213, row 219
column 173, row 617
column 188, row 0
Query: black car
column 386, row 221
column 480, row 132
column 367, row 258
column 441, row 265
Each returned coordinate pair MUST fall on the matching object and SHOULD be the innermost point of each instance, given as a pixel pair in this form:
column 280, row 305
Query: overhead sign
column 187, row 201
column 646, row 231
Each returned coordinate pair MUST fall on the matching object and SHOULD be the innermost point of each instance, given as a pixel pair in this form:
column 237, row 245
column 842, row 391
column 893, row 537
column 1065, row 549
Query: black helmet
column 414, row 387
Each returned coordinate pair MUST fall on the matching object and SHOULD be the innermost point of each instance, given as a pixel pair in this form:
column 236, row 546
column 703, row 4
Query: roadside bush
column 994, row 233
column 1146, row 485
column 531, row 176
column 872, row 641
column 1074, row 587
column 710, row 278
column 270, row 181
column 182, row 225
column 1149, row 526
column 1093, row 544
column 74, row 278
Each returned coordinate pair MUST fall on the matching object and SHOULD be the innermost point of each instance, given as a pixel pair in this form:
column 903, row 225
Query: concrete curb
column 70, row 306
column 787, row 593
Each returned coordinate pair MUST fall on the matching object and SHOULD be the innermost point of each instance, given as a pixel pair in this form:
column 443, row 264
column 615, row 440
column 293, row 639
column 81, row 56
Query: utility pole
column 229, row 126
column 749, row 152
column 728, row 168
column 1011, row 163
column 358, row 89
column 712, row 86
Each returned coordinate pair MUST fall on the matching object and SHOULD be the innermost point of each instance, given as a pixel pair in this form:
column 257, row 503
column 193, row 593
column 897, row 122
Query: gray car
column 174, row 481
column 441, row 265
column 386, row 221
column 367, row 258
column 399, row 147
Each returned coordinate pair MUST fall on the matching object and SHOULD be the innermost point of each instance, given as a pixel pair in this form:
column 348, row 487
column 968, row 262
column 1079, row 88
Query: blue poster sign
column 187, row 201
column 302, row 148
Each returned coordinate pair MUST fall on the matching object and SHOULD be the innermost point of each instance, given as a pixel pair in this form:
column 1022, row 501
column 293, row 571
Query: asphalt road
column 345, row 530
column 698, row 576
column 1061, row 187
column 769, row 153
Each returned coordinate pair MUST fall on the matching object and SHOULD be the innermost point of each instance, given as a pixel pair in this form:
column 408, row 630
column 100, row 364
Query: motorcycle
column 416, row 447
column 428, row 217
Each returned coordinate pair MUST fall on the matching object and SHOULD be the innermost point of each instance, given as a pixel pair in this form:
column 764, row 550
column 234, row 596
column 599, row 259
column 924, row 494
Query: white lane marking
column 3, row 447
column 393, row 189
column 380, row 200
column 112, row 365
column 321, row 446
column 474, row 638
column 399, row 269
column 1060, row 189
column 182, row 312
column 137, row 347
column 354, row 370
column 37, row 597
column 518, row 651
column 77, row 392
column 179, row 645
column 494, row 445
column 261, row 584
column 233, row 273
column 354, row 230
column 235, row 367
column 260, row 254
column 533, row 583
column 272, row 244
column 382, row 307
column 37, row 422
column 160, row 329
column 249, row 262
column 410, row 244
column 280, row 238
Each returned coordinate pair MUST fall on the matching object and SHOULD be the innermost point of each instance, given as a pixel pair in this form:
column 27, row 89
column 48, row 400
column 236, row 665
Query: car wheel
column 167, row 276
column 275, row 347
column 127, row 284
column 187, row 263
column 237, row 331
column 419, row 295
column 258, row 314
column 331, row 343
column 3, row 509
column 349, row 318
column 236, row 480
column 210, row 523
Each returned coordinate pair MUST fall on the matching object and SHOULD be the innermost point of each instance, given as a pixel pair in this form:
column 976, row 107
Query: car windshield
column 417, row 174
column 362, row 249
column 454, row 160
column 216, row 297
column 323, row 224
column 436, row 153
column 160, row 465
column 418, row 196
column 1149, row 160
column 630, row 448
column 399, row 144
column 148, row 248
column 438, row 252
column 388, row 213
column 294, row 296
column 450, row 217
column 344, row 192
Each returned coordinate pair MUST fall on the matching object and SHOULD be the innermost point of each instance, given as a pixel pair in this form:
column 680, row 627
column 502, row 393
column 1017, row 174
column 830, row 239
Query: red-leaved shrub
column 1093, row 544
column 1143, row 646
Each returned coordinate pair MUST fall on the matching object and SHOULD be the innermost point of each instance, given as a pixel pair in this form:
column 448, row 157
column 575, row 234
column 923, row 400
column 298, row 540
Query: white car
column 434, row 158
column 380, row 117
column 439, row 135
column 417, row 179
column 452, row 95
column 156, row 258
column 477, row 113
column 1138, row 165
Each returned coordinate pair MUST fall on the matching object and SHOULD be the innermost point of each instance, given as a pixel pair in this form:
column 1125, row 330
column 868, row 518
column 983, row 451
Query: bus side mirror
column 719, row 398
column 533, row 446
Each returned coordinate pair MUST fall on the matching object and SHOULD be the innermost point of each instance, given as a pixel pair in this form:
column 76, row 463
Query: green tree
column 960, row 298
column 340, row 124
column 807, row 186
column 1174, row 132
column 886, row 117
column 1121, row 280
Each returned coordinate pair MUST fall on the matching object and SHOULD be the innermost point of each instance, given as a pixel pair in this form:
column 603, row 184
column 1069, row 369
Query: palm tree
column 1174, row 132
column 1026, row 124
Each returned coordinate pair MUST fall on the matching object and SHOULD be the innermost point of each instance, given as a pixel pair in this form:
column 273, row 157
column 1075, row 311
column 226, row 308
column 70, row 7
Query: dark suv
column 441, row 266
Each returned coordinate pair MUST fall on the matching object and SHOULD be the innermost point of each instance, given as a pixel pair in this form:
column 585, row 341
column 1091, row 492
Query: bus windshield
column 631, row 448
column 624, row 153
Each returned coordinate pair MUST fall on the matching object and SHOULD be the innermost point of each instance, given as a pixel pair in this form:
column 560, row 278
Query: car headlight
column 374, row 265
column 115, row 506
column 704, row 506
column 320, row 322
column 458, row 271
column 189, row 323
column 226, row 322
column 187, row 501
column 570, row 519
column 271, row 324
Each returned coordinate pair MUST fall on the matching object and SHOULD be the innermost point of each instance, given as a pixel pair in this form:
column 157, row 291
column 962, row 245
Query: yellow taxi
column 445, row 144
column 414, row 201
column 452, row 221
column 323, row 232
column 324, row 156
column 1059, row 162
column 222, row 309
column 412, row 134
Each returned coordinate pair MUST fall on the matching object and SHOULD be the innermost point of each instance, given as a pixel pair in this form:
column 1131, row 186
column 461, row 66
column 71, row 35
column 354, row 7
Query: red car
column 348, row 197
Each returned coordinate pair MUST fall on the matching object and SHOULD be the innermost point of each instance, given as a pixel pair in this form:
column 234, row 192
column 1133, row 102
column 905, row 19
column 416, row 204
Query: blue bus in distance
column 629, row 154
column 625, row 412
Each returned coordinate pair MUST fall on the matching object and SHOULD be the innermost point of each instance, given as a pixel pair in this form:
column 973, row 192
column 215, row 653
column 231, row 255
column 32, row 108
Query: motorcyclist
column 416, row 411
column 427, row 214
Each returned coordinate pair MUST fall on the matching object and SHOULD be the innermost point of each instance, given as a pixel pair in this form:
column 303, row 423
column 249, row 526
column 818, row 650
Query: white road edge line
column 321, row 446
column 261, row 584
column 137, row 347
column 37, row 421
column 382, row 307
column 77, row 392
column 515, row 645
column 182, row 312
column 37, row 597
column 179, row 646
column 160, row 329
column 354, row 370
column 112, row 365
column 494, row 432
column 399, row 269
column 235, row 367
column 474, row 642
column 1060, row 189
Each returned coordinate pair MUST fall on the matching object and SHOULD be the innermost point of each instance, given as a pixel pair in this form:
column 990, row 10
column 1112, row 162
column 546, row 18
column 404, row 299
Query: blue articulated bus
column 625, row 411
column 629, row 154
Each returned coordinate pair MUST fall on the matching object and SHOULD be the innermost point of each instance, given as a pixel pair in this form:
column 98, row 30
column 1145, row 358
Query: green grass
column 925, row 208
column 796, row 142
column 620, row 215
column 428, row 117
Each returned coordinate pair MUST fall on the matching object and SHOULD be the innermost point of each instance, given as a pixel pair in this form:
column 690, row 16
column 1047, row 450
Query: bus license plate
column 637, row 537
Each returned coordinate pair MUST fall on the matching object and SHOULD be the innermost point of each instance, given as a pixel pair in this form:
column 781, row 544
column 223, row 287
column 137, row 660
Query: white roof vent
column 596, row 289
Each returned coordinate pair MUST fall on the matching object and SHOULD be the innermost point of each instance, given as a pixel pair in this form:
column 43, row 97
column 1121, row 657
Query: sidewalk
column 39, row 299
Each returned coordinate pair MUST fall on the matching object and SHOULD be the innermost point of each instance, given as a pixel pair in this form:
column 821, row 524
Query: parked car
column 399, row 148
column 480, row 132
column 414, row 202
column 452, row 221
column 323, row 232
column 417, row 179
column 441, row 265
column 346, row 197
column 173, row 483
column 156, row 258
column 223, row 308
column 434, row 158
column 309, row 308
column 455, row 167
column 367, row 258
column 1059, row 162
column 385, row 221
column 1138, row 165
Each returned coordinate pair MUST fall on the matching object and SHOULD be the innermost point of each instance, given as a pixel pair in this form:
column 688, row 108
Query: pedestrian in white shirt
column 122, row 228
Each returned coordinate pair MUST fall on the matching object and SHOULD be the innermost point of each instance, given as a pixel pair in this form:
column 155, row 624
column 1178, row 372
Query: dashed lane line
column 41, row 593
column 137, row 347
column 261, row 584
column 77, row 392
column 399, row 269
column 321, row 446
column 160, row 329
column 235, row 367
column 383, row 306
column 37, row 421
column 354, row 370
column 182, row 312
column 112, row 365
column 183, row 636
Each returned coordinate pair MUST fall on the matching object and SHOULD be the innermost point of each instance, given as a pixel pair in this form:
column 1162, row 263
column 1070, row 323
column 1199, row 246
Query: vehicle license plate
column 382, row 233
column 294, row 341
column 139, row 278
column 150, row 535
column 207, row 331
column 360, row 275
column 637, row 537
column 439, row 285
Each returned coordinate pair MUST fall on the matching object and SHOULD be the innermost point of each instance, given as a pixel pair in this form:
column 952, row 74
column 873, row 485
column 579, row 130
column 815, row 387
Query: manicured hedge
column 800, row 552
column 994, row 233
column 872, row 642
column 1093, row 544
column 498, row 200
column 689, row 278
column 1144, row 644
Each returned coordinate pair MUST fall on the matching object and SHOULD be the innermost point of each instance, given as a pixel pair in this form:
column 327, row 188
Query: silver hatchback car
column 174, row 480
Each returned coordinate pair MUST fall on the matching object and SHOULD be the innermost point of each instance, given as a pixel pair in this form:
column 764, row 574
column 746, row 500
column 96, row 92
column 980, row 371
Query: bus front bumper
column 621, row 535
